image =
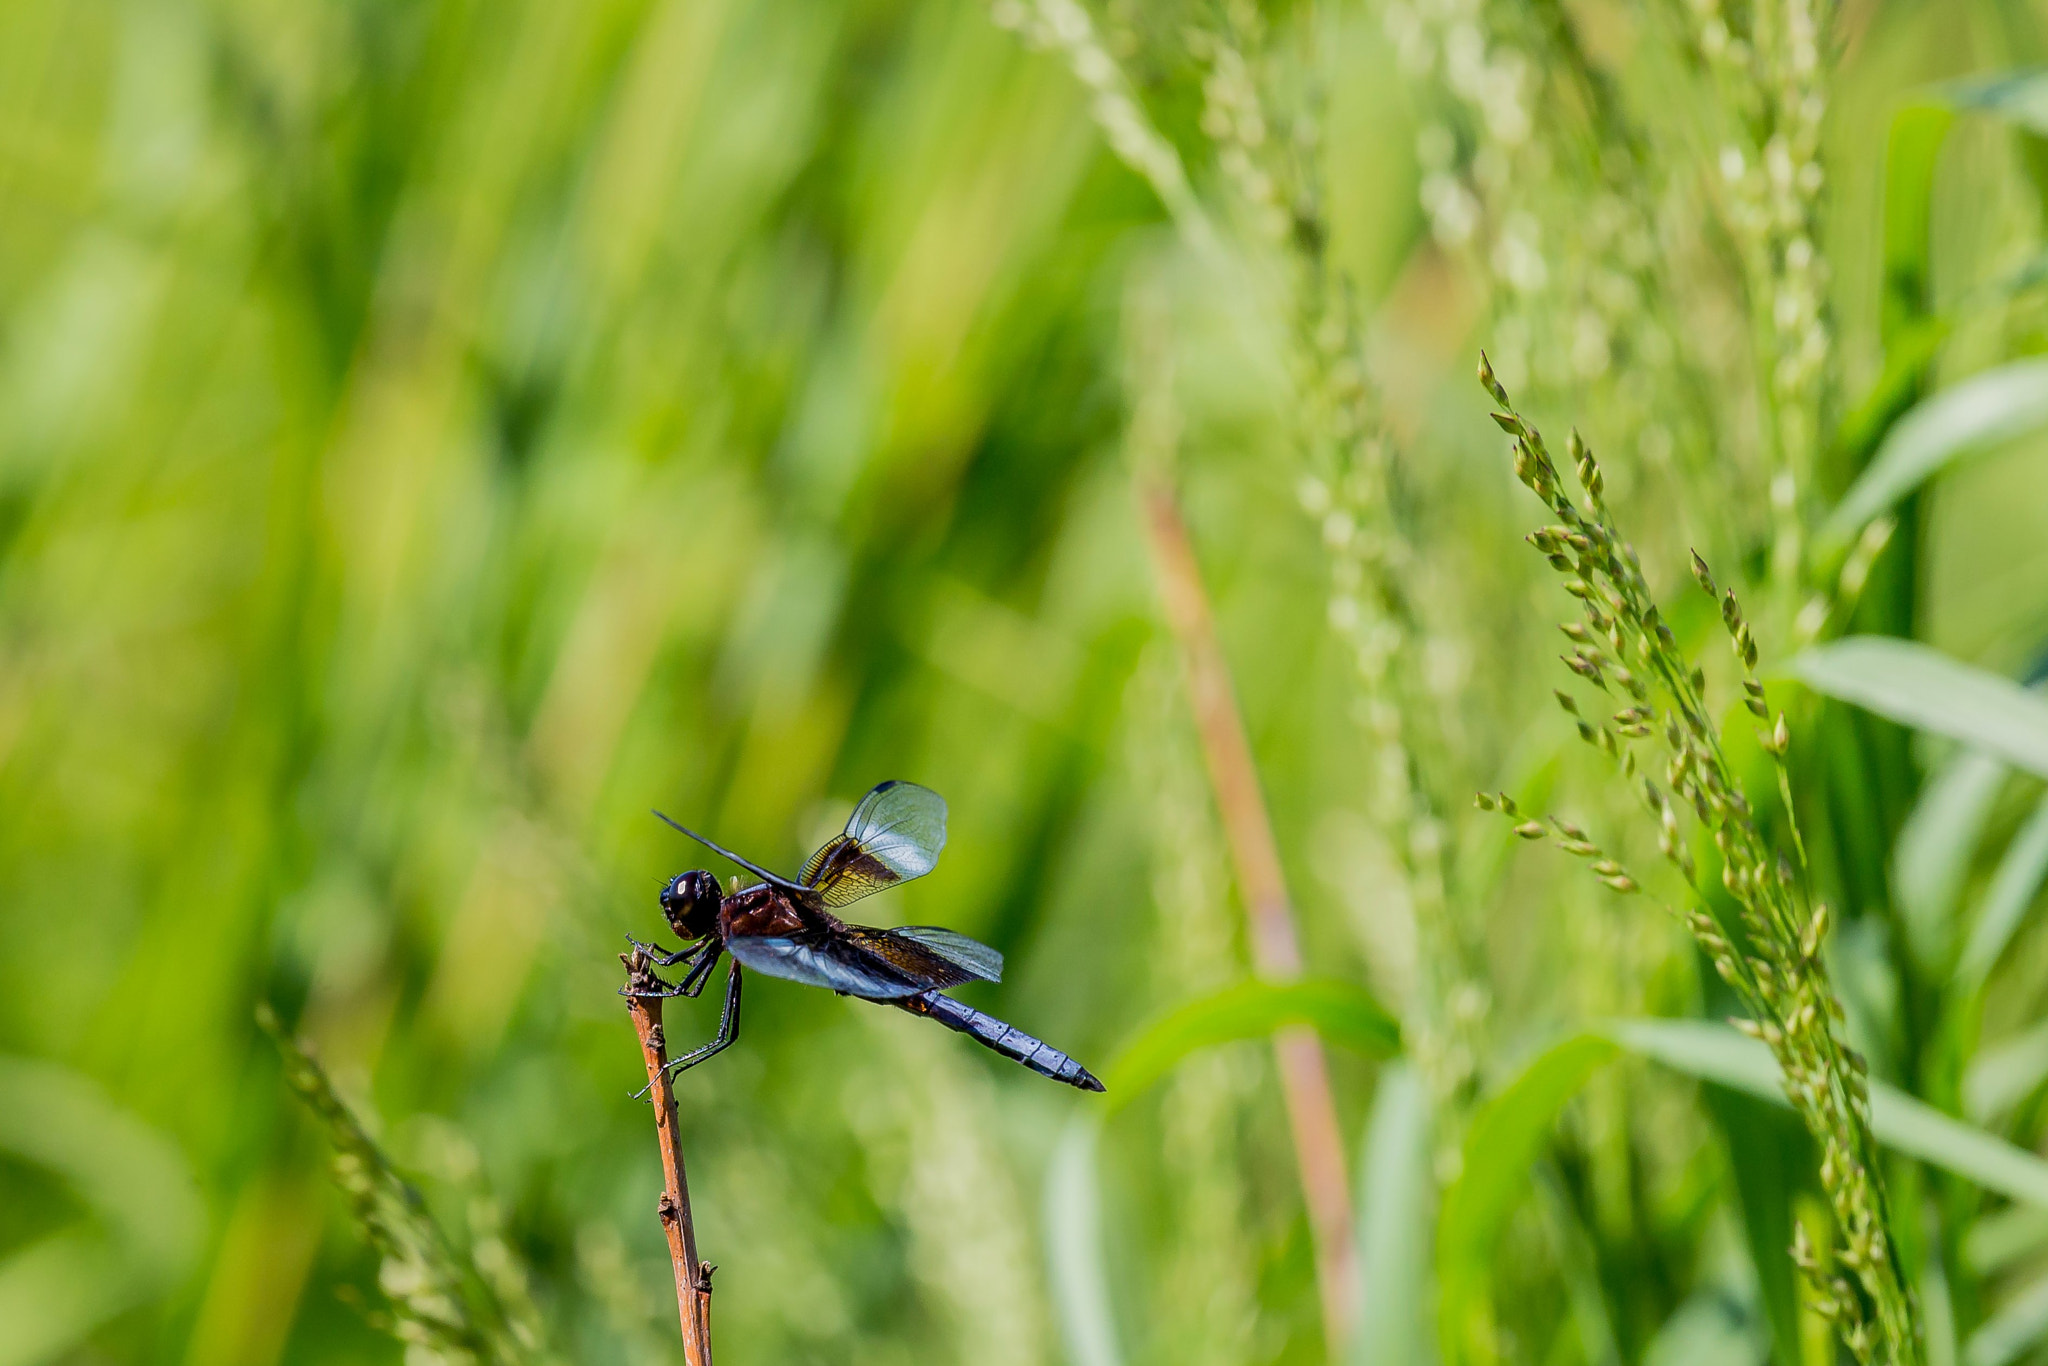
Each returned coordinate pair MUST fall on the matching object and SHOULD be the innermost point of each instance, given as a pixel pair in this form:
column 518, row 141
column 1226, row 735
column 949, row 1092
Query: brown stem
column 693, row 1278
column 1276, row 951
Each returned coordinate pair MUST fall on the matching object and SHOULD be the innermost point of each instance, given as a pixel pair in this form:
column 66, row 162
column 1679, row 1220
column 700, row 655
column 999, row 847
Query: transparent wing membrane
column 970, row 954
column 833, row 966
column 894, row 835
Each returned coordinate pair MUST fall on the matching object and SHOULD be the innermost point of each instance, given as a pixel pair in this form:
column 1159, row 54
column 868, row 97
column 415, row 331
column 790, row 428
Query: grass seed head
column 1704, row 575
column 1492, row 385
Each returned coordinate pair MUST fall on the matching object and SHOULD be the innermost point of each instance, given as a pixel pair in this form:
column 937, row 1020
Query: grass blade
column 145, row 1216
column 1339, row 1011
column 1393, row 1232
column 2007, row 1334
column 2013, row 888
column 1998, row 405
column 1506, row 1137
column 1703, row 1049
column 1917, row 1129
column 2006, row 1073
column 1510, row 1130
column 1771, row 1157
column 1935, row 849
column 1079, row 1275
column 1998, row 1242
column 1902, row 1123
column 1919, row 687
column 1912, row 149
column 133, row 1178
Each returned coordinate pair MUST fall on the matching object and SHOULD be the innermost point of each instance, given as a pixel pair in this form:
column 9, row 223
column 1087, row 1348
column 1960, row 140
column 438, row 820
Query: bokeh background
column 432, row 434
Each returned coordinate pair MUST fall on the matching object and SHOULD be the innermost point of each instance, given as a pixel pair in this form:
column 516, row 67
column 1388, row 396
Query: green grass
column 433, row 435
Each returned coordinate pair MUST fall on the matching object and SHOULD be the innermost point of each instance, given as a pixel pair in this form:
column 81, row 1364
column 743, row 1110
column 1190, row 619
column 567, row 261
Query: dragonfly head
column 690, row 901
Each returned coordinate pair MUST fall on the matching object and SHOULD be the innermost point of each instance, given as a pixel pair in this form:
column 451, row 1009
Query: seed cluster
column 1234, row 118
column 1268, row 154
column 1765, row 61
column 1535, row 179
column 445, row 1308
column 1067, row 27
column 1771, row 954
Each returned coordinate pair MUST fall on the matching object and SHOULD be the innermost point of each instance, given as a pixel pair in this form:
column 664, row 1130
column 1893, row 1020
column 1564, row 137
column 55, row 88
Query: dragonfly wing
column 906, row 957
column 832, row 965
column 894, row 835
column 971, row 954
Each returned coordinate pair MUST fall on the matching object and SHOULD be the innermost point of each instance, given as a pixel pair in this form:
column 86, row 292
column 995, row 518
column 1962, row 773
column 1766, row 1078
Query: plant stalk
column 1276, row 950
column 693, row 1277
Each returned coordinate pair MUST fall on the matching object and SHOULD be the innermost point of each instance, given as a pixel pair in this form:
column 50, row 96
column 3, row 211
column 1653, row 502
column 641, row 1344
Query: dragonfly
column 784, row 927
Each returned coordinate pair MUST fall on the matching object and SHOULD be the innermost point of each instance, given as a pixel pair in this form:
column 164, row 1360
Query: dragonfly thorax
column 690, row 901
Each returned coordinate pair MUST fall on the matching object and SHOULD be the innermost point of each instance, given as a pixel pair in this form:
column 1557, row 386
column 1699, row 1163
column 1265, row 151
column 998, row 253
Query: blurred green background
column 432, row 434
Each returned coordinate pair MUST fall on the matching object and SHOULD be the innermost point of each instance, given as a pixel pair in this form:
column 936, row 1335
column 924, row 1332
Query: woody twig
column 693, row 1277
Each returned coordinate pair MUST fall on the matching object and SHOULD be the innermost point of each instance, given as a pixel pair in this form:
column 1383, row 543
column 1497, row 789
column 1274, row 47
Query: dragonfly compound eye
column 690, row 901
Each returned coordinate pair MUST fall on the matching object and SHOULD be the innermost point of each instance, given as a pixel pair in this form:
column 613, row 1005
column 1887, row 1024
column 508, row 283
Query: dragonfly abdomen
column 1002, row 1038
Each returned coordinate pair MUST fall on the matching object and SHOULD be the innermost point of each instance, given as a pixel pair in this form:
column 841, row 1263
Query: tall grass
column 431, row 436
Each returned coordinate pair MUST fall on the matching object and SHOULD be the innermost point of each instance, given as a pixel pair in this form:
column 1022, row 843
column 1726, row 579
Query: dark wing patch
column 833, row 965
column 905, row 957
column 971, row 954
column 846, row 872
column 894, row 835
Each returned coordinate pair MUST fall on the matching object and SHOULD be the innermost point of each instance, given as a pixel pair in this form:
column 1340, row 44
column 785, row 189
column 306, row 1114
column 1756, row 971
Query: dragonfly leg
column 704, row 954
column 728, row 1027
column 728, row 1033
column 700, row 971
column 662, row 957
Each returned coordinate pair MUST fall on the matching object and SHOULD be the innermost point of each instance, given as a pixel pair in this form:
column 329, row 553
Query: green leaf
column 1771, row 1159
column 2017, row 1325
column 1907, row 355
column 1703, row 1049
column 1902, row 1123
column 1394, row 1186
column 146, row 1221
column 1506, row 1137
column 1910, row 329
column 2002, row 403
column 1911, row 1126
column 2013, row 889
column 1912, row 148
column 1079, row 1277
column 1923, row 688
column 1341, row 1012
column 1998, row 1242
column 1935, row 849
column 1510, row 1130
column 2005, row 1073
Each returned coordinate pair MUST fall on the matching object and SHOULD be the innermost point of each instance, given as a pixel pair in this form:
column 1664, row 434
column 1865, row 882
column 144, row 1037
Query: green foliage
column 2003, row 403
column 431, row 436
column 1504, row 1138
column 1341, row 1012
column 1920, row 687
column 1395, row 1218
column 139, row 1229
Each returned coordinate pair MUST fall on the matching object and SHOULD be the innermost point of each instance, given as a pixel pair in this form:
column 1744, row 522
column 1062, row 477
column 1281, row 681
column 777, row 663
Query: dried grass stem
column 693, row 1277
column 1276, row 950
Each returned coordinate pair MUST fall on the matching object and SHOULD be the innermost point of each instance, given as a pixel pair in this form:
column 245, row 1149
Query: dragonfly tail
column 1008, row 1040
